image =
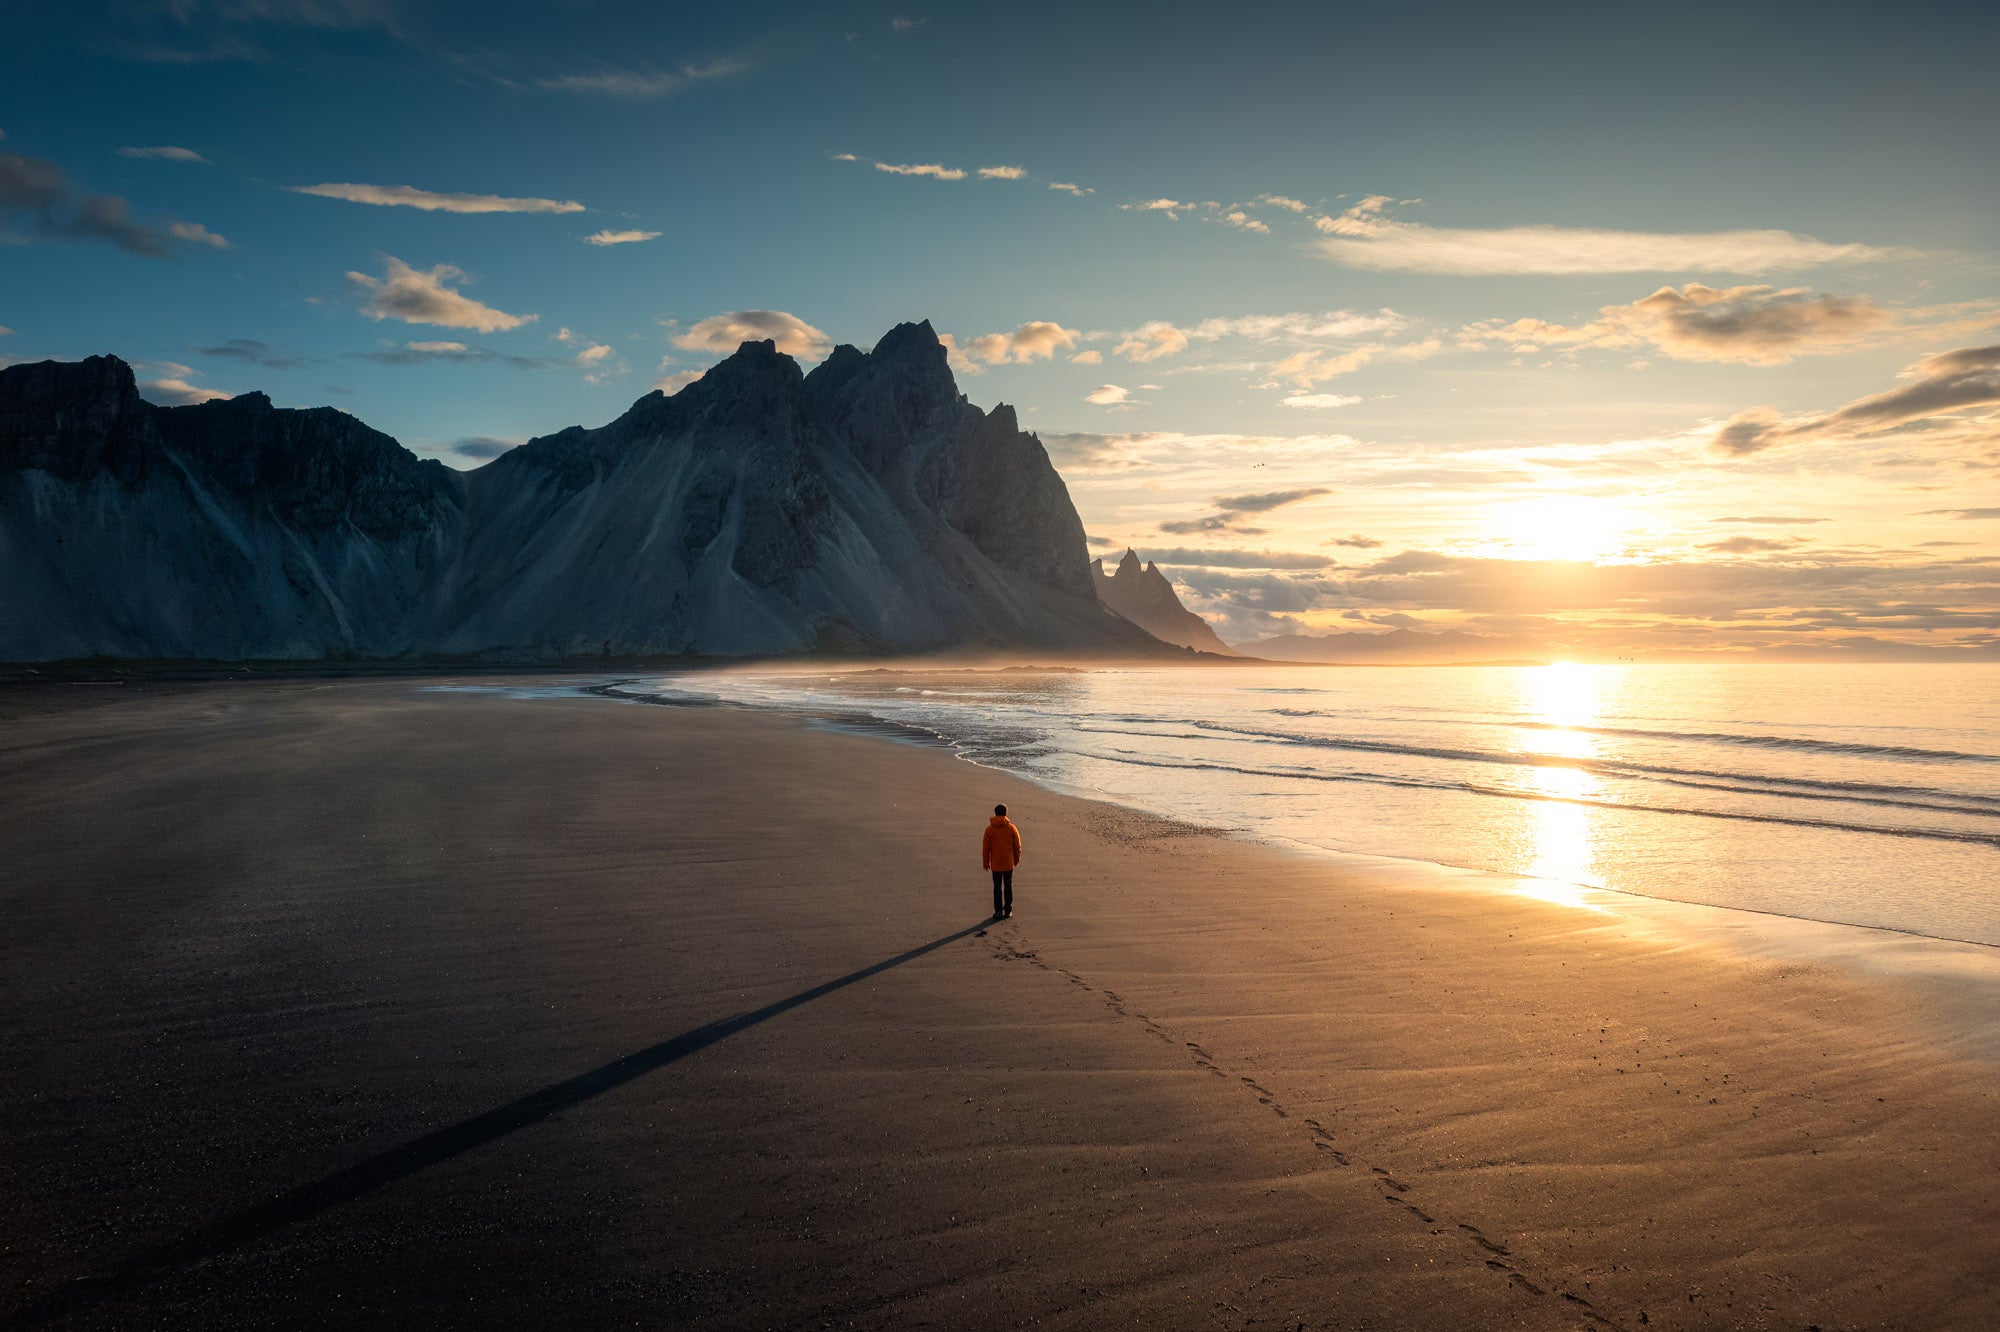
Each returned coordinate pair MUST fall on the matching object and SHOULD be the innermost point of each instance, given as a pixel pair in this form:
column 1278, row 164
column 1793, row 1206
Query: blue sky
column 1523, row 288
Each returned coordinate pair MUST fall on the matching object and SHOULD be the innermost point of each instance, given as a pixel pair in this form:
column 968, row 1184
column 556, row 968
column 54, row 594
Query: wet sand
column 352, row 1002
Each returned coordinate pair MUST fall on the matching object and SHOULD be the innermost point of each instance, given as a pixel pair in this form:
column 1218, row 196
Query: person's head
column 1000, row 811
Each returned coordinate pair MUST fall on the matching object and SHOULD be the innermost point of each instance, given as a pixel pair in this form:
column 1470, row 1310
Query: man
column 1000, row 851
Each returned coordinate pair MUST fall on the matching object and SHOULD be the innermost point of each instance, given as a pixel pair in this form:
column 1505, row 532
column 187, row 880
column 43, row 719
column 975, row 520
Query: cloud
column 1158, row 338
column 1970, row 514
column 38, row 203
column 194, row 233
column 641, row 85
column 1183, row 556
column 483, row 447
column 1365, row 237
column 1212, row 523
column 1747, row 600
column 1109, row 395
column 1329, row 326
column 594, row 353
column 1036, row 340
column 254, row 352
column 1949, row 382
column 1356, row 542
column 164, row 153
column 418, row 296
column 675, row 382
column 1318, row 401
column 1308, row 368
column 619, row 237
column 922, row 169
column 1068, row 187
column 1265, row 501
column 1750, row 325
column 1768, row 519
column 1173, row 208
column 1281, row 201
column 724, row 333
column 1236, row 217
column 1749, row 545
column 906, row 24
column 174, row 387
column 439, row 350
column 1089, row 356
column 1151, row 341
column 409, row 196
column 1234, row 507
column 1003, row 173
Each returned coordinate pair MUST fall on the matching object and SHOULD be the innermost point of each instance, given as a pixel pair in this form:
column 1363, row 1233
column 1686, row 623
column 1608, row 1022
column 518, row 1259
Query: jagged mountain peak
column 759, row 510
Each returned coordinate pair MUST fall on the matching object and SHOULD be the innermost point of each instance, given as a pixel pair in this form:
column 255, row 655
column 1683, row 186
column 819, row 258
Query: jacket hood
column 998, row 819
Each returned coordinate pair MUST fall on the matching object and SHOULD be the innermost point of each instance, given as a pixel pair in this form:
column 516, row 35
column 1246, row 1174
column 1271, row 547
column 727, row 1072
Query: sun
column 1561, row 527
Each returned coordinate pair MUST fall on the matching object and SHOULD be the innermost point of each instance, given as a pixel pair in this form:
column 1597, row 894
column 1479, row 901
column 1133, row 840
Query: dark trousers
column 1003, row 883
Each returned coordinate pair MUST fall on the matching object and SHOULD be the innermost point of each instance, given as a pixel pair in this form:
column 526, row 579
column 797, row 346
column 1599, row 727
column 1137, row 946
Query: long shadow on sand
column 398, row 1163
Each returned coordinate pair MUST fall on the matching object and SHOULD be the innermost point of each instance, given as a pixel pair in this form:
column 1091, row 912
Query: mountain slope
column 1147, row 599
column 760, row 510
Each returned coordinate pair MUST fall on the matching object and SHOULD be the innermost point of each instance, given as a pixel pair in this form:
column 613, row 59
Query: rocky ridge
column 1146, row 598
column 866, row 506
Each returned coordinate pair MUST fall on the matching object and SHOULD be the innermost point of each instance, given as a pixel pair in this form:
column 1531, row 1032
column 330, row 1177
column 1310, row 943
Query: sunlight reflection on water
column 1562, row 856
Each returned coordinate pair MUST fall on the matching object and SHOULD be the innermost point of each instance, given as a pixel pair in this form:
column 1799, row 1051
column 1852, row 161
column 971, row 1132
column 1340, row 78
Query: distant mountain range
column 866, row 506
column 1147, row 599
column 1397, row 645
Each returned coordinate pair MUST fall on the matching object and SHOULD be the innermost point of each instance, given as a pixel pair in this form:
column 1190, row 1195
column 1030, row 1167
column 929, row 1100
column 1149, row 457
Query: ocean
column 1854, row 794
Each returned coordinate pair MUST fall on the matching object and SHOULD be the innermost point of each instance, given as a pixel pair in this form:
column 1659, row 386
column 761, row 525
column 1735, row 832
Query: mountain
column 1147, row 599
column 866, row 506
column 1398, row 645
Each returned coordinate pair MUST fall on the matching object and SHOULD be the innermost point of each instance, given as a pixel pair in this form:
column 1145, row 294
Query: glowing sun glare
column 1562, row 527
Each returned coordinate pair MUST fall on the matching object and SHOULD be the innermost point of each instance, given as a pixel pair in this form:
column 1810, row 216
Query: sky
column 1673, row 331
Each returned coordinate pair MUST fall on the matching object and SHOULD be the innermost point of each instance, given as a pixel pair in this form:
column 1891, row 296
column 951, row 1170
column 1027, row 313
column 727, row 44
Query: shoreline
column 1943, row 964
column 379, row 1003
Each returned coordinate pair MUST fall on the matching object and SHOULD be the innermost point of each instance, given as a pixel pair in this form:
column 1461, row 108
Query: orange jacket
column 1000, row 848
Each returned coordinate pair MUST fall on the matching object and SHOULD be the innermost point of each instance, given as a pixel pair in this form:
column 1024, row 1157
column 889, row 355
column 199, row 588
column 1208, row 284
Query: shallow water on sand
column 1864, row 795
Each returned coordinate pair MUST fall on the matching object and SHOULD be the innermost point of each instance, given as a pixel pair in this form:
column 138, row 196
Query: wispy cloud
column 253, row 352
column 1318, row 401
column 38, row 203
column 724, row 333
column 483, row 448
column 1236, row 217
column 427, row 296
column 430, row 201
column 1364, row 236
column 164, row 153
column 921, row 169
column 1152, row 340
column 194, row 233
column 1036, row 340
column 1003, row 173
column 174, row 385
column 1943, row 385
column 1308, row 368
column 1750, row 325
column 430, row 352
column 640, row 85
column 1110, row 395
column 619, row 237
column 1974, row 515
column 1069, row 187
